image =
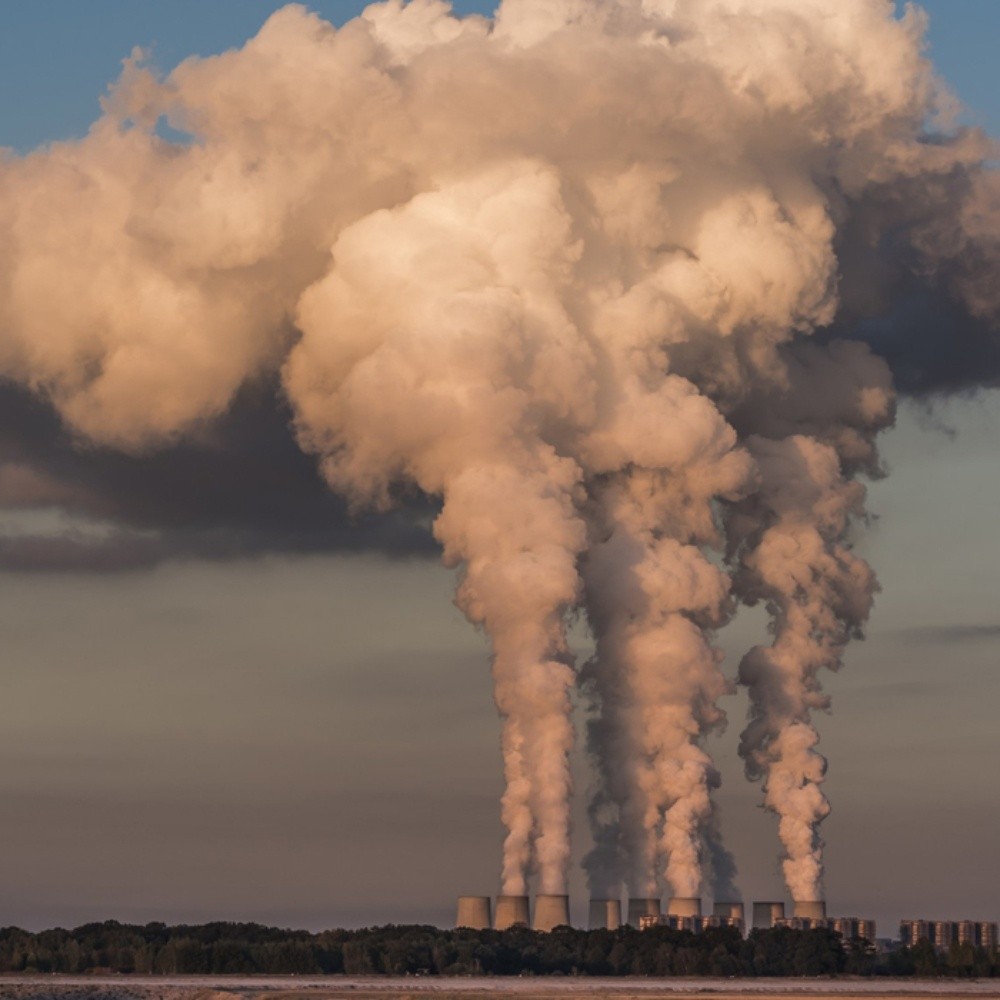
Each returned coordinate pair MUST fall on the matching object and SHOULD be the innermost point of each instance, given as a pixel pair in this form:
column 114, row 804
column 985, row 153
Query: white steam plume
column 433, row 384
column 793, row 539
column 651, row 595
column 553, row 269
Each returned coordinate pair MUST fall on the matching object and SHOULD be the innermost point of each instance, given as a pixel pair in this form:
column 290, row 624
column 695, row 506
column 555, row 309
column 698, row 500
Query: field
column 375, row 988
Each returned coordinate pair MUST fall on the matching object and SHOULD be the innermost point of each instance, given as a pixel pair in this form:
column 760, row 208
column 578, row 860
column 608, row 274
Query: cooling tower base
column 684, row 906
column 511, row 910
column 474, row 913
column 550, row 912
column 765, row 914
column 642, row 907
column 605, row 914
column 728, row 909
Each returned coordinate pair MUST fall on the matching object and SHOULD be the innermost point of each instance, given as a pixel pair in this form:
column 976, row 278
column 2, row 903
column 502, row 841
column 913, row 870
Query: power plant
column 685, row 913
column 943, row 933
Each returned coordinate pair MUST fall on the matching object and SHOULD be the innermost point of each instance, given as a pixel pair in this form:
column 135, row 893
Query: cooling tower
column 550, row 911
column 684, row 906
column 727, row 910
column 511, row 910
column 811, row 910
column 642, row 908
column 765, row 914
column 605, row 914
column 474, row 912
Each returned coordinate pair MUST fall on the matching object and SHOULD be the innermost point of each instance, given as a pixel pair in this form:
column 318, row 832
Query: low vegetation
column 231, row 948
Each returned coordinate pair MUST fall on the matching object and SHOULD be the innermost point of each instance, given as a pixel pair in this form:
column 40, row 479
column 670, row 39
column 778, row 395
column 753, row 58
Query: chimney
column 511, row 910
column 765, row 914
column 642, row 907
column 474, row 912
column 684, row 906
column 605, row 914
column 550, row 911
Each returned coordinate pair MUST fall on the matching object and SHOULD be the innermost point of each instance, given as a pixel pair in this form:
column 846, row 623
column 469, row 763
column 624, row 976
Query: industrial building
column 855, row 929
column 849, row 928
column 694, row 924
column 943, row 933
column 685, row 913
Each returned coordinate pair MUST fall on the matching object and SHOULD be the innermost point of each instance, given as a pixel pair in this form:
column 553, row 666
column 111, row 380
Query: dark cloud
column 239, row 488
column 932, row 345
column 950, row 633
column 918, row 265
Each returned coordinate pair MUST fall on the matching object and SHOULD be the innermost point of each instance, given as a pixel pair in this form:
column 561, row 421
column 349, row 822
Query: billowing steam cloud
column 597, row 274
column 792, row 535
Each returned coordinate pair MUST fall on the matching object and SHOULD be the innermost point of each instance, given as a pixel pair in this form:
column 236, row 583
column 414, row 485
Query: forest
column 242, row 948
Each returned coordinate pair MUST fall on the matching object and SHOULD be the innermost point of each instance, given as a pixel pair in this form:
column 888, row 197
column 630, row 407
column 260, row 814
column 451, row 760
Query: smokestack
column 474, row 913
column 551, row 911
column 765, row 914
column 642, row 907
column 727, row 910
column 511, row 910
column 811, row 910
column 684, row 906
column 605, row 914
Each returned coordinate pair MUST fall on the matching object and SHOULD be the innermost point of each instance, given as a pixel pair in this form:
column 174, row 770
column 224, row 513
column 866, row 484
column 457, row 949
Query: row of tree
column 231, row 948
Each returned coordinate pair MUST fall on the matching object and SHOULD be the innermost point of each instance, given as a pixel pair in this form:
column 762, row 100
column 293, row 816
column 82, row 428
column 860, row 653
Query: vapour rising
column 560, row 269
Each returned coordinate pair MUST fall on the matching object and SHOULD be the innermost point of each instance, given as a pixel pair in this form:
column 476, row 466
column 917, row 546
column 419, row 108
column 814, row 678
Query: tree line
column 242, row 948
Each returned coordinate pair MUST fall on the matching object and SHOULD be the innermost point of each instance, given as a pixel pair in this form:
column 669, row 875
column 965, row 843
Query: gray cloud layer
column 240, row 488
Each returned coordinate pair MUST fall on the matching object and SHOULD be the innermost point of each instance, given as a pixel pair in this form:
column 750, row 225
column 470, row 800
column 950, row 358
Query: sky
column 310, row 739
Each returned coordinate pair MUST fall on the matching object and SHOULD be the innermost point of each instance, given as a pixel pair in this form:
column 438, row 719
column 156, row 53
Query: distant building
column 854, row 928
column 912, row 932
column 670, row 920
column 849, row 928
column 965, row 932
column 693, row 924
column 801, row 923
column 986, row 936
column 943, row 933
column 718, row 920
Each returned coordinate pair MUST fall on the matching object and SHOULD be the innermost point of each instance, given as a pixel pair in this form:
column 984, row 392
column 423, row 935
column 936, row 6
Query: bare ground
column 342, row 988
